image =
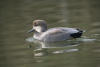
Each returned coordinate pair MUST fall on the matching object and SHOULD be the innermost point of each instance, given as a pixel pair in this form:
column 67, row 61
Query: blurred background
column 16, row 18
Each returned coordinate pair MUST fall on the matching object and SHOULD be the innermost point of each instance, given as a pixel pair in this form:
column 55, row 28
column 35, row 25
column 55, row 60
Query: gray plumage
column 54, row 34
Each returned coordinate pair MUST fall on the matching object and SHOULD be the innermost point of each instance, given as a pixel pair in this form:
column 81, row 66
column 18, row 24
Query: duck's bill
column 32, row 30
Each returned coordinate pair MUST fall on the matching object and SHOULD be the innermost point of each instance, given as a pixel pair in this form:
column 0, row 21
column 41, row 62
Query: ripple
column 87, row 40
column 38, row 54
column 96, row 34
column 30, row 39
column 65, row 51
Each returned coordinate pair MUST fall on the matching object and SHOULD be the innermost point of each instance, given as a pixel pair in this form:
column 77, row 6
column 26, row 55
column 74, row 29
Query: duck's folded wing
column 56, row 35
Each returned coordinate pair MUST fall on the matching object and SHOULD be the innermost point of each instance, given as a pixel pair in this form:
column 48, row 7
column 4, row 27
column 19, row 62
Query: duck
column 42, row 33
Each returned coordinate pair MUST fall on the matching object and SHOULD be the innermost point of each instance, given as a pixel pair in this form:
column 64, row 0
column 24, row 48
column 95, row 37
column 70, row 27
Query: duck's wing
column 56, row 35
column 55, row 31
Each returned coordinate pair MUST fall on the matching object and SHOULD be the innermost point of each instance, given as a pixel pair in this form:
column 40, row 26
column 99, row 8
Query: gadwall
column 53, row 34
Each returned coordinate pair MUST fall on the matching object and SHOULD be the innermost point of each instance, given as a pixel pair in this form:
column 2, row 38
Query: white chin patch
column 37, row 28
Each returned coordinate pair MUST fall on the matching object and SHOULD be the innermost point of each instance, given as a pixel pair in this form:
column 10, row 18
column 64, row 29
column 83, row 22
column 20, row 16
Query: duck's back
column 58, row 34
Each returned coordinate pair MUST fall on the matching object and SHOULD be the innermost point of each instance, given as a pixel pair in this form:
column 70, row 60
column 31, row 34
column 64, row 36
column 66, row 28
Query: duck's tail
column 78, row 34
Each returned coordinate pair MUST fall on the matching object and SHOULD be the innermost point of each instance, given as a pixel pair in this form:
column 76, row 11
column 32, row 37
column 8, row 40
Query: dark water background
column 17, row 49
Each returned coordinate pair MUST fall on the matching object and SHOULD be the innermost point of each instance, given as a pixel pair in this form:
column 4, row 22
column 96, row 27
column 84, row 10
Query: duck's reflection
column 56, row 44
column 61, row 44
column 45, row 48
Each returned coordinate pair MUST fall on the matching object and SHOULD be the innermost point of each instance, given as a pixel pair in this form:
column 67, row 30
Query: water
column 18, row 49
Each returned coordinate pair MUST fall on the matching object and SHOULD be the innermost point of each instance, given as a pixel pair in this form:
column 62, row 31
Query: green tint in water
column 16, row 18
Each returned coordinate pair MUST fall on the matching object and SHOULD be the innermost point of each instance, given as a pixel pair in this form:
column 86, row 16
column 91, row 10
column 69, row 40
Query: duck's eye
column 35, row 24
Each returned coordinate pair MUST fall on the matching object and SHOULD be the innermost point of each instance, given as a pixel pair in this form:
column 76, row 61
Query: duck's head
column 39, row 26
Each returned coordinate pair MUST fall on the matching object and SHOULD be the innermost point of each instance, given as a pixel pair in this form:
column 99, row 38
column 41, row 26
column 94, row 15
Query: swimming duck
column 53, row 34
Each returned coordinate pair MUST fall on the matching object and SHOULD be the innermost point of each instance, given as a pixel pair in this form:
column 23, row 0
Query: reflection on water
column 62, row 46
column 53, row 44
column 16, row 18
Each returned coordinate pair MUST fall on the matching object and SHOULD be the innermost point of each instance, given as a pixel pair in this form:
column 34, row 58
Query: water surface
column 17, row 49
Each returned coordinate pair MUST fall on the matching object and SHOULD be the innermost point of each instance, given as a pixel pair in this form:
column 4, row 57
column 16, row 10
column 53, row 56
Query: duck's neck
column 43, row 29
